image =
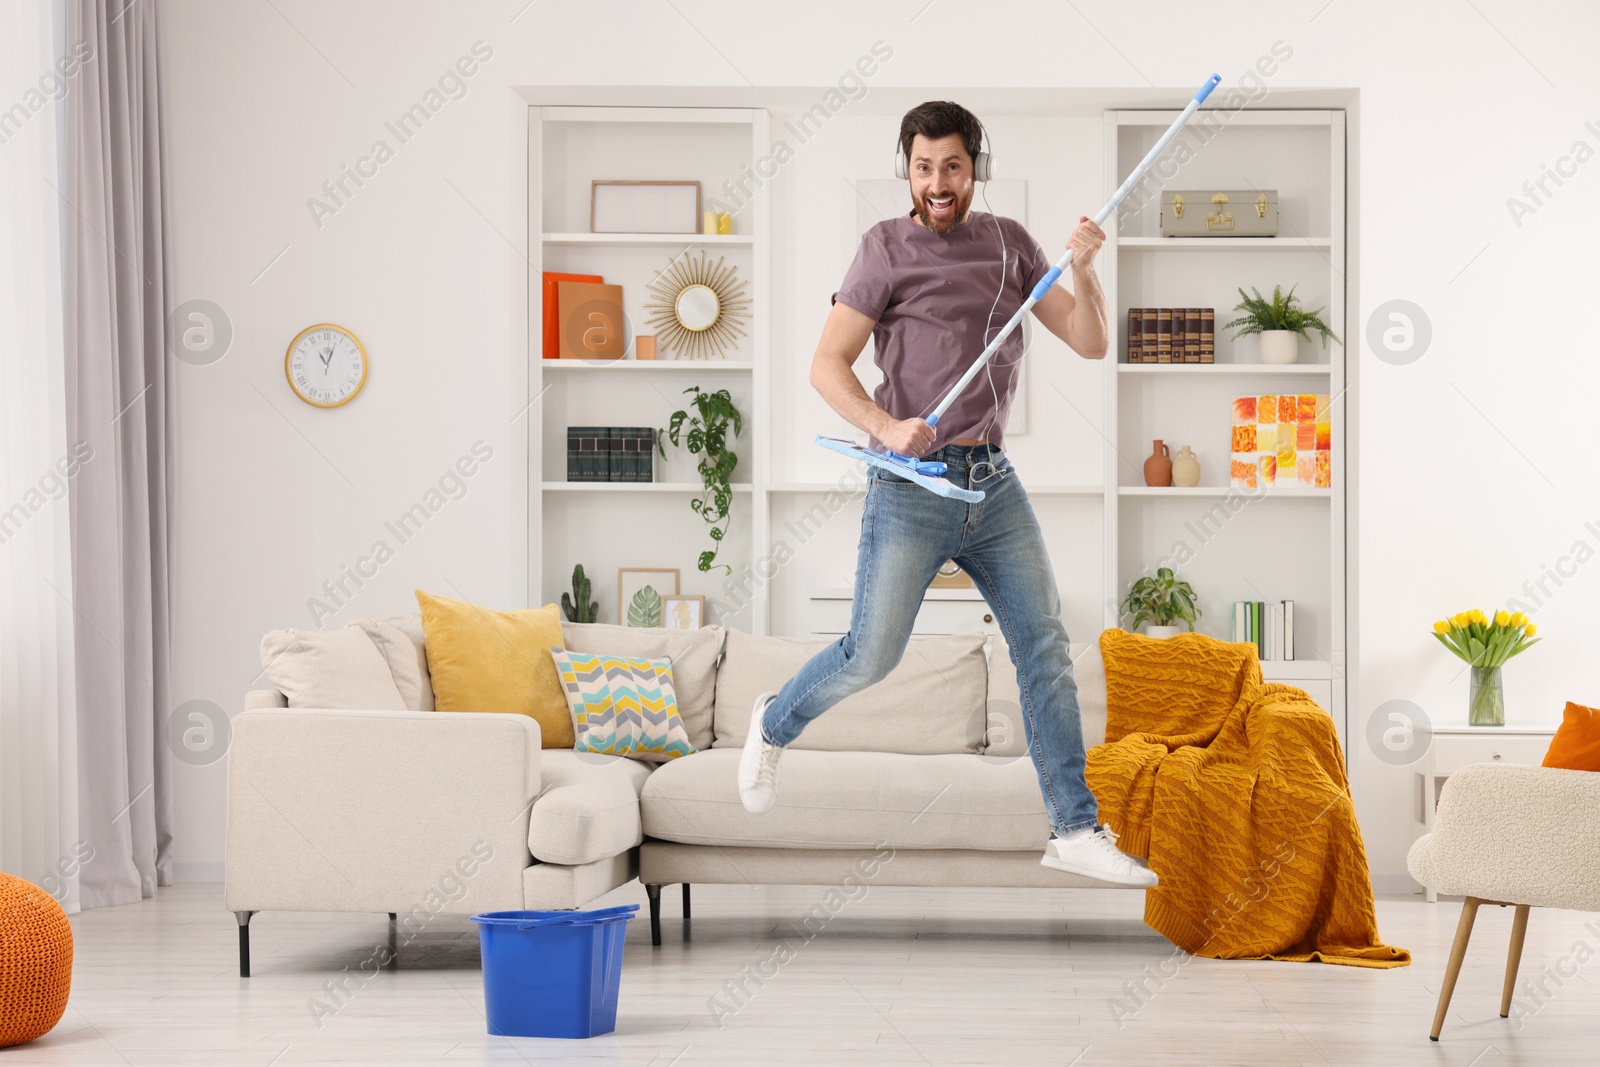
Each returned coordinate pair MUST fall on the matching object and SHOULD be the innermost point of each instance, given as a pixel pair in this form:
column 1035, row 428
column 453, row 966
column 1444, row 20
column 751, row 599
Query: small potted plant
column 1485, row 644
column 1281, row 322
column 1161, row 601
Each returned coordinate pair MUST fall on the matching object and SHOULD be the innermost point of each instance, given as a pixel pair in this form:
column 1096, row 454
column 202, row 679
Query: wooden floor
column 899, row 976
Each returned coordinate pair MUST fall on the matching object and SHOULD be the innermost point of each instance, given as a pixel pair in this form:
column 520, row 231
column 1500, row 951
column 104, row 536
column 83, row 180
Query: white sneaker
column 1093, row 853
column 758, row 765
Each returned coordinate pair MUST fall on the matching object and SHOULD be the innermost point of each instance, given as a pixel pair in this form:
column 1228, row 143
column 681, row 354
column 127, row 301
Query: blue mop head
column 878, row 459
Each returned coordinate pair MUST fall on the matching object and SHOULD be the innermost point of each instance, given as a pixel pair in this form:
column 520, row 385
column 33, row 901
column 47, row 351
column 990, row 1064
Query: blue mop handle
column 1066, row 260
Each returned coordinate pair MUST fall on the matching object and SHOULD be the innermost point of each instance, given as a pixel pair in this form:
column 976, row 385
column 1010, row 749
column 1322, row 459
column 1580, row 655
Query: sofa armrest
column 265, row 698
column 332, row 810
column 1515, row 834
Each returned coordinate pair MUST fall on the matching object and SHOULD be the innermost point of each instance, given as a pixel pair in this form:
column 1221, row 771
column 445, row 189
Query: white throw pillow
column 406, row 656
column 332, row 669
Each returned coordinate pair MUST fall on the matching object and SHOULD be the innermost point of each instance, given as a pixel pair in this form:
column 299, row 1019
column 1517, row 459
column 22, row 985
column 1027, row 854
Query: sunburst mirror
column 698, row 308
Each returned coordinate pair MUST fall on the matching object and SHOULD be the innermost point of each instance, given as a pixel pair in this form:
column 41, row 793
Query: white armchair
column 1514, row 836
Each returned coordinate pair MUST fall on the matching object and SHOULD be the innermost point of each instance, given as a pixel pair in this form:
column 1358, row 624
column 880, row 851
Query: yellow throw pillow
column 485, row 660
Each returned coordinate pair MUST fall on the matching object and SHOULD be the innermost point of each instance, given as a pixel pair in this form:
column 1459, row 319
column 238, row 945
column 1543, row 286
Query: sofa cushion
column 933, row 702
column 694, row 662
column 1007, row 734
column 622, row 707
column 406, row 657
column 338, row 669
column 852, row 800
column 497, row 661
column 588, row 807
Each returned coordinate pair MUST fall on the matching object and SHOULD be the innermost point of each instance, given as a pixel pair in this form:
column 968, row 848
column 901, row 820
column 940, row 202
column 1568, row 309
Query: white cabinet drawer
column 1452, row 752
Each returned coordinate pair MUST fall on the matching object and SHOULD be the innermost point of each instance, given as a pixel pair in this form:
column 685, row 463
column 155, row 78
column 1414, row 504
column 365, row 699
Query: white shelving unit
column 1289, row 543
column 610, row 525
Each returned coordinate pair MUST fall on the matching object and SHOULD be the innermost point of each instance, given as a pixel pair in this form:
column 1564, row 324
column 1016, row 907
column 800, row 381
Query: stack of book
column 1172, row 335
column 1270, row 627
column 610, row 453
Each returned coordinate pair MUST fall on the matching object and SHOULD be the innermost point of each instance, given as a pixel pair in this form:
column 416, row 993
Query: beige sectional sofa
column 923, row 779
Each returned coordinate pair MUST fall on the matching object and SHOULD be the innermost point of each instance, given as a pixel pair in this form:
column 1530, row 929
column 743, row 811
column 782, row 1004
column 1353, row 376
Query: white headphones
column 982, row 167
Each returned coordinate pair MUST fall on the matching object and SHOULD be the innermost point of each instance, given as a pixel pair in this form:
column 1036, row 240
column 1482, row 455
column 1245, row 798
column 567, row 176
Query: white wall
column 1474, row 462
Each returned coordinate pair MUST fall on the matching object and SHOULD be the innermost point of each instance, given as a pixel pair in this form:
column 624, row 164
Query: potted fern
column 1281, row 322
column 1161, row 601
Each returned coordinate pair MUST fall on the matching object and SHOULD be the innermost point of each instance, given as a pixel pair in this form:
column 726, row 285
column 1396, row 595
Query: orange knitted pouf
column 35, row 961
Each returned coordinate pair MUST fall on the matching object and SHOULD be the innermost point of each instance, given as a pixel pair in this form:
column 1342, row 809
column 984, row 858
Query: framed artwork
column 639, row 593
column 644, row 207
column 684, row 612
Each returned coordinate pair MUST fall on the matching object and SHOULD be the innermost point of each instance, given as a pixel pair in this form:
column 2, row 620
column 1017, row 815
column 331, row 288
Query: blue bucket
column 552, row 973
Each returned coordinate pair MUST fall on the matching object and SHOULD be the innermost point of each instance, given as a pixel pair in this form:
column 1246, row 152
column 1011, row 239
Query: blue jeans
column 906, row 534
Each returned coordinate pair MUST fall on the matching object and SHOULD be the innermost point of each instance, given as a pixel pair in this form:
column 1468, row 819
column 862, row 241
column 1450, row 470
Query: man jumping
column 927, row 287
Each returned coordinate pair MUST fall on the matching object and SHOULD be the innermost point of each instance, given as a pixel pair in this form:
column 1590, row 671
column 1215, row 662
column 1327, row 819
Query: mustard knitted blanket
column 1235, row 792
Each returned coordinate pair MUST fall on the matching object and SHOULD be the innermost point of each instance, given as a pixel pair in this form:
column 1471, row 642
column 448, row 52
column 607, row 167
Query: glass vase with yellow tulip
column 1485, row 644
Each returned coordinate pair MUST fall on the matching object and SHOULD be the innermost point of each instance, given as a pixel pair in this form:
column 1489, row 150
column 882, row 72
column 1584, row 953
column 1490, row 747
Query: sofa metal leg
column 1469, row 912
column 393, row 916
column 654, row 889
column 686, row 900
column 244, row 942
column 1519, row 931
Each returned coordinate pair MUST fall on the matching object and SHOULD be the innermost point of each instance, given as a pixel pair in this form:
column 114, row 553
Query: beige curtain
column 119, row 385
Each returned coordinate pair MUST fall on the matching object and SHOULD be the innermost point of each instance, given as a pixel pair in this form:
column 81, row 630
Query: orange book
column 552, row 318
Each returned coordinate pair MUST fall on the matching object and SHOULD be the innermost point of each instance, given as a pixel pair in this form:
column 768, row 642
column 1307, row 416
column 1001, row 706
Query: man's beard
column 962, row 204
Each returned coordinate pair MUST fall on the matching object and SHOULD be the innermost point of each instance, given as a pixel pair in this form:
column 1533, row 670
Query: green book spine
column 613, row 455
column 640, row 440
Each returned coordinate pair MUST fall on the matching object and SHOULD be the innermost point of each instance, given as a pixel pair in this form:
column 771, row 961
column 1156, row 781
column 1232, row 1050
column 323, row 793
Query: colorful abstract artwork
column 1281, row 441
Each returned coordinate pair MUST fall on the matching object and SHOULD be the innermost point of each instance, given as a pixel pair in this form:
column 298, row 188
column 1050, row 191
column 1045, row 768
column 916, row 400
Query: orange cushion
column 35, row 961
column 1576, row 745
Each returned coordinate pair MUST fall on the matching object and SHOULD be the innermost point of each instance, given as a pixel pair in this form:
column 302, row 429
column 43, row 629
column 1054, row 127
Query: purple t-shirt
column 929, row 295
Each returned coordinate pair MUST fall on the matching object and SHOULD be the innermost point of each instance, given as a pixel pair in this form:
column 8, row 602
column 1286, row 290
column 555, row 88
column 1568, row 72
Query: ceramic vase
column 1158, row 468
column 1186, row 468
column 1161, row 631
column 1279, row 346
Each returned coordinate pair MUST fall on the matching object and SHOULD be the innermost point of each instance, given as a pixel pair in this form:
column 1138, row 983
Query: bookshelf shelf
column 646, row 366
column 1225, row 244
column 633, row 487
column 1310, row 493
column 1206, row 370
column 670, row 239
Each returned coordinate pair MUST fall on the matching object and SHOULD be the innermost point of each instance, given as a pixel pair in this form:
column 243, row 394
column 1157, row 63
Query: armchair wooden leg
column 1469, row 912
column 1519, row 931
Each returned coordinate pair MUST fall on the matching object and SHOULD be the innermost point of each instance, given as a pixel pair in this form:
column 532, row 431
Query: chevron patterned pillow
column 621, row 706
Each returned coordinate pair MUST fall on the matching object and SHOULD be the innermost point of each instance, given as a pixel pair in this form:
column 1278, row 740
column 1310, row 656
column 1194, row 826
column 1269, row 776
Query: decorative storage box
column 1229, row 213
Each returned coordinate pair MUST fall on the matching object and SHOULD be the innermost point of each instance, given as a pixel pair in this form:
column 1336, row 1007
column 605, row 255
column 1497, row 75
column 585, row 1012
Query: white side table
column 1452, row 747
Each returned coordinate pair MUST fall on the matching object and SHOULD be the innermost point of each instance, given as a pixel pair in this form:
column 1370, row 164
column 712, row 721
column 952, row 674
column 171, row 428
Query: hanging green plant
column 705, row 434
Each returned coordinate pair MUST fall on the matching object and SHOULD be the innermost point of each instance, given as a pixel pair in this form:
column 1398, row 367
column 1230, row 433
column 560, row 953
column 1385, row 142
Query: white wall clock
column 326, row 365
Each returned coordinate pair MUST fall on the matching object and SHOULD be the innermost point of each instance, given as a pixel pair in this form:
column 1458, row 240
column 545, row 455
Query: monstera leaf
column 645, row 608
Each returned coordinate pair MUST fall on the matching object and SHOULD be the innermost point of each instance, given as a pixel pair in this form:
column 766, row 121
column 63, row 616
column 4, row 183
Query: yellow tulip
column 1532, row 629
column 1479, row 617
column 1441, row 627
column 1519, row 619
column 1458, row 620
column 1502, row 618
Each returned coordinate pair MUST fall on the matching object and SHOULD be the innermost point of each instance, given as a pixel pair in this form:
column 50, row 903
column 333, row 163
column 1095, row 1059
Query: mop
column 929, row 474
